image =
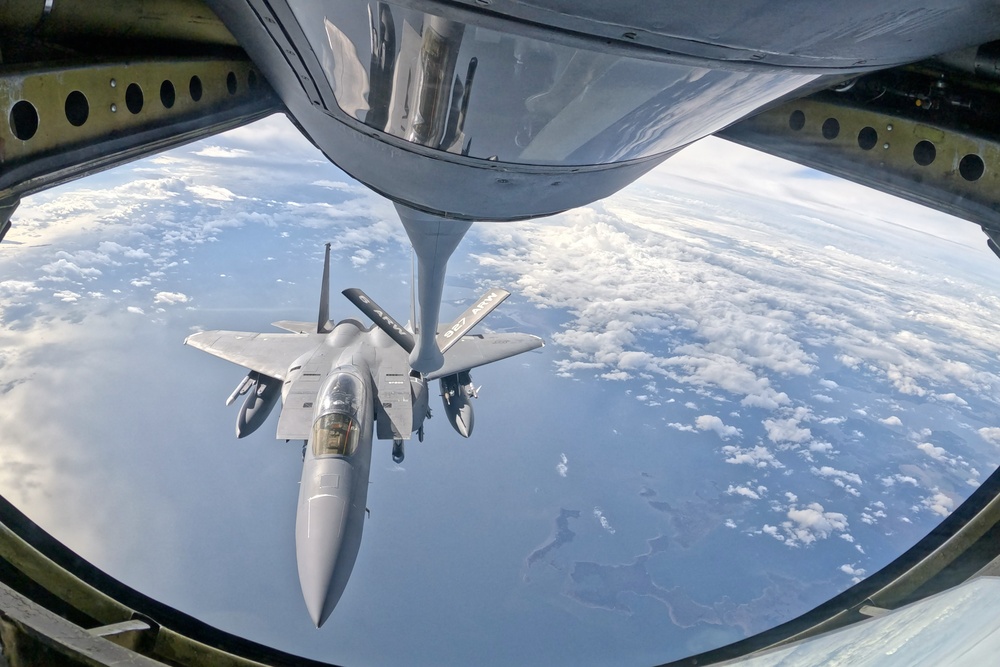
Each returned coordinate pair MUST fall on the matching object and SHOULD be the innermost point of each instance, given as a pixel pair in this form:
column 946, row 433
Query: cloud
column 136, row 310
column 757, row 456
column 811, row 523
column 171, row 298
column 361, row 257
column 64, row 267
column 66, row 296
column 743, row 491
column 11, row 289
column 111, row 247
column 221, row 152
column 951, row 397
column 936, row 453
column 892, row 421
column 939, row 503
column 828, row 471
column 890, row 480
column 990, row 434
column 603, row 520
column 853, row 571
column 212, row 192
column 786, row 430
column 713, row 423
column 561, row 467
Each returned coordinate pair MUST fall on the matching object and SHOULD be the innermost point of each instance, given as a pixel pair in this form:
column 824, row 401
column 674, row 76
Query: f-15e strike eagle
column 341, row 385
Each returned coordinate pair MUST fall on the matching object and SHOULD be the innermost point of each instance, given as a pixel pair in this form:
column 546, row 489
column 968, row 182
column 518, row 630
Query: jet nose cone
column 318, row 537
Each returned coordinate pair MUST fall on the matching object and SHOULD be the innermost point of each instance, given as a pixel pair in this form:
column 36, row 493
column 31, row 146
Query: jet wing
column 267, row 353
column 481, row 349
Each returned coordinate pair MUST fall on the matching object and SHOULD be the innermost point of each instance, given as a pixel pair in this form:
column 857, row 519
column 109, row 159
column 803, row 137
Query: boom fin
column 323, row 323
column 382, row 319
column 470, row 318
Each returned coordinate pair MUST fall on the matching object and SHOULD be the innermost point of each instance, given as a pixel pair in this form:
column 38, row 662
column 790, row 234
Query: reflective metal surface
column 502, row 97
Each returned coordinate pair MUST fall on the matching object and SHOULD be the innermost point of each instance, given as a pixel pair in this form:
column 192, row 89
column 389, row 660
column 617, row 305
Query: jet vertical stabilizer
column 323, row 323
column 434, row 239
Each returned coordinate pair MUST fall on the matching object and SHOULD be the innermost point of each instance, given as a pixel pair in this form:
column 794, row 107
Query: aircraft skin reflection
column 341, row 386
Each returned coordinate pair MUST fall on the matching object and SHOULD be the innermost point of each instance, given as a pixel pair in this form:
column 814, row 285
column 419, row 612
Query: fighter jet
column 341, row 385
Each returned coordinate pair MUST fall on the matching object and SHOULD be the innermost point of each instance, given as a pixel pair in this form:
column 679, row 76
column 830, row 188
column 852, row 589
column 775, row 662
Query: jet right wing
column 267, row 353
column 481, row 349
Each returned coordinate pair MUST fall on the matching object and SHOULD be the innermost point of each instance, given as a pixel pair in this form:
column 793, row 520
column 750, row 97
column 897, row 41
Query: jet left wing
column 481, row 349
column 267, row 353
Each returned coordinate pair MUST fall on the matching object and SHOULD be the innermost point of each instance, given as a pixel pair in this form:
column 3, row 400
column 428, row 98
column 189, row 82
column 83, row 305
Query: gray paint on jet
column 341, row 385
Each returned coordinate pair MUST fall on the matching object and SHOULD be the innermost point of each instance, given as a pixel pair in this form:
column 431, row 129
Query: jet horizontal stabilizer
column 481, row 349
column 470, row 318
column 295, row 326
column 381, row 318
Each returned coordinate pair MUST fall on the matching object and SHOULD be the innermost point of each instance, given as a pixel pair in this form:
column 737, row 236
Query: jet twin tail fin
column 323, row 323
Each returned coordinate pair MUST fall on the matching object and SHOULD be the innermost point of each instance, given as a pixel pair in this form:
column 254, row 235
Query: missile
column 242, row 388
column 258, row 404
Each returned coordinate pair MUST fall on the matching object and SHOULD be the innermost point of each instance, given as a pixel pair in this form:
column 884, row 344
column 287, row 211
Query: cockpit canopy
column 336, row 430
column 335, row 435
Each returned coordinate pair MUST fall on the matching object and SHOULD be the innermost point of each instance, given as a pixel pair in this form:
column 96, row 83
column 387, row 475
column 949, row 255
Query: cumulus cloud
column 757, row 456
column 939, row 503
column 212, row 192
column 891, row 480
column 222, row 152
column 743, row 491
column 828, row 471
column 786, row 430
column 113, row 248
column 15, row 288
column 936, row 453
column 811, row 523
column 561, row 467
column 892, row 421
column 361, row 257
column 66, row 296
column 713, row 423
column 951, row 397
column 171, row 298
column 64, row 267
column 603, row 520
column 990, row 434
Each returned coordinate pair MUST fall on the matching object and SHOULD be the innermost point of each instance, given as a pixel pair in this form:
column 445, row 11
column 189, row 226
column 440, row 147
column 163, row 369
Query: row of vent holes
column 24, row 116
column 971, row 167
